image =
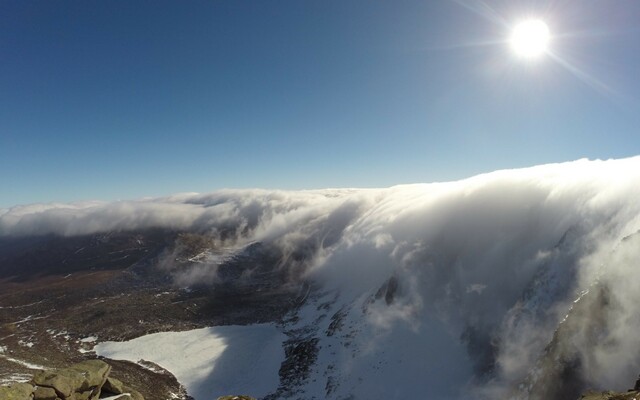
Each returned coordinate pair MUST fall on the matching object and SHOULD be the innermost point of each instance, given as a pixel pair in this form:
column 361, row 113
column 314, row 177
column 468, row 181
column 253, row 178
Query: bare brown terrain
column 59, row 296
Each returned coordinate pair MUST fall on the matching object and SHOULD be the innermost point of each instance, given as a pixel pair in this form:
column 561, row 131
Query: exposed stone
column 134, row 394
column 45, row 393
column 63, row 382
column 17, row 391
column 95, row 373
column 630, row 395
column 81, row 381
column 88, row 395
column 113, row 386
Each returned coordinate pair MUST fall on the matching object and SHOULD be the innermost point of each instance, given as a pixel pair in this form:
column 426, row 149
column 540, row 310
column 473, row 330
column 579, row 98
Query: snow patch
column 23, row 363
column 27, row 319
column 14, row 377
column 211, row 362
column 118, row 396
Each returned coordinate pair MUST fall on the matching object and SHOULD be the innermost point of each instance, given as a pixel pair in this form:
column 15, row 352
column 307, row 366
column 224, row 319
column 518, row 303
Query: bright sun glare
column 530, row 38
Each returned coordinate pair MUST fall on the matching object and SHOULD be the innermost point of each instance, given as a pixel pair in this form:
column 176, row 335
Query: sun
column 530, row 38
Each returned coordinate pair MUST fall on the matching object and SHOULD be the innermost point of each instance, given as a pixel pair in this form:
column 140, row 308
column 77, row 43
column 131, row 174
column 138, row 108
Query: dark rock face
column 388, row 290
column 300, row 355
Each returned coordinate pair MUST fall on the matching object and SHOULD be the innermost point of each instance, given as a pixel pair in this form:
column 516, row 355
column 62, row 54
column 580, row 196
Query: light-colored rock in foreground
column 16, row 391
column 82, row 381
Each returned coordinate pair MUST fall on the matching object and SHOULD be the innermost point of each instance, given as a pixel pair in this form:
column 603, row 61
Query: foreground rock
column 83, row 380
column 631, row 395
column 87, row 380
column 236, row 398
column 17, row 391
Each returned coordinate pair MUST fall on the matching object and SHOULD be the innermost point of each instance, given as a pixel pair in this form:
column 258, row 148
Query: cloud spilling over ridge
column 243, row 210
column 574, row 187
column 498, row 258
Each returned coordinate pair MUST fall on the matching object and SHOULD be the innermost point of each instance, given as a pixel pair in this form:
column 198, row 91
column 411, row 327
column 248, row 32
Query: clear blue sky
column 123, row 99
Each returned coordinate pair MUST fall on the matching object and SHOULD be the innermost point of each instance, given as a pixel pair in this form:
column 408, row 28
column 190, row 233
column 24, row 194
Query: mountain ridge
column 515, row 284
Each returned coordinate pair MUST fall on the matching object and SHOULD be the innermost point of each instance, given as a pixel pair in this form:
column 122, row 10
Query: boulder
column 134, row 394
column 63, row 382
column 88, row 395
column 94, row 372
column 17, row 391
column 113, row 386
column 82, row 381
column 44, row 393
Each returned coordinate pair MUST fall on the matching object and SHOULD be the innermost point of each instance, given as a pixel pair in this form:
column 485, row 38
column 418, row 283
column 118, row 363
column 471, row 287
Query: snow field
column 211, row 362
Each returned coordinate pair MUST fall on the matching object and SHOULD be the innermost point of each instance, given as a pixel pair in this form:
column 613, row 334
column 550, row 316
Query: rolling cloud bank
column 499, row 284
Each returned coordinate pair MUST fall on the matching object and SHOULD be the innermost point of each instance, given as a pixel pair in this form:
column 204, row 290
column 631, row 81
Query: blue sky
column 124, row 99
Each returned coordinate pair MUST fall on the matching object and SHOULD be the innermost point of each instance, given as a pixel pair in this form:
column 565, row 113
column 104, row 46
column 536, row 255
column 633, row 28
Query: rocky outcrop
column 80, row 381
column 87, row 380
column 112, row 385
column 17, row 391
column 630, row 395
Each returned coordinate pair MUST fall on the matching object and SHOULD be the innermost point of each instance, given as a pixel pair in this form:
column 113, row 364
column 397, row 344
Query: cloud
column 497, row 259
